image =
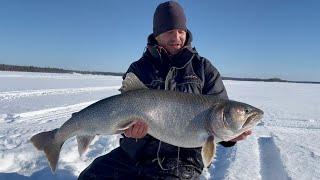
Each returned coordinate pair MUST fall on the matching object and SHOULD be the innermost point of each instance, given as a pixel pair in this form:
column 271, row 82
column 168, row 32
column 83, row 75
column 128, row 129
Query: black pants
column 118, row 165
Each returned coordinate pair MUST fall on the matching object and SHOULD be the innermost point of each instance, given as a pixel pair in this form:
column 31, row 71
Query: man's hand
column 137, row 130
column 242, row 136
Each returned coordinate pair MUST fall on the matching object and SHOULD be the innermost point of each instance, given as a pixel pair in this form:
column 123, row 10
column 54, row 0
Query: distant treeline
column 268, row 80
column 4, row 67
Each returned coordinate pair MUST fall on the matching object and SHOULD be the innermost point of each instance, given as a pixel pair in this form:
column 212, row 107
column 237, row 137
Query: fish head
column 231, row 118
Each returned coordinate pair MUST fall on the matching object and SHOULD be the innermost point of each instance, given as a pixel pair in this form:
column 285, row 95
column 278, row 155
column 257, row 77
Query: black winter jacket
column 187, row 72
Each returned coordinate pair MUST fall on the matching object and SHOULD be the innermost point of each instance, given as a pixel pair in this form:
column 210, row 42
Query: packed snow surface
column 285, row 145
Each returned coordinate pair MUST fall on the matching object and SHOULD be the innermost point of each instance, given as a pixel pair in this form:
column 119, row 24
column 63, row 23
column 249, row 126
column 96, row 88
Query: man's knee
column 95, row 169
column 111, row 165
column 171, row 169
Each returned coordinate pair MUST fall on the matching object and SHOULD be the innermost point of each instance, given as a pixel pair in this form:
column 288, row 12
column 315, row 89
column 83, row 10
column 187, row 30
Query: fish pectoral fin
column 123, row 127
column 84, row 142
column 208, row 151
column 131, row 82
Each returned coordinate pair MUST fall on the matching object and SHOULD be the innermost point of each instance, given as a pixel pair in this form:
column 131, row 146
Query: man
column 169, row 63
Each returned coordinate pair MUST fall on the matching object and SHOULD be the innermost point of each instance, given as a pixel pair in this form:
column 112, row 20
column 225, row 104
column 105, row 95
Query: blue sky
column 242, row 38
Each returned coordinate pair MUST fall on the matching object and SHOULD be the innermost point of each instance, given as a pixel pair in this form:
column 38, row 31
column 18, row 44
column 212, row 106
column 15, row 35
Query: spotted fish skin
column 181, row 119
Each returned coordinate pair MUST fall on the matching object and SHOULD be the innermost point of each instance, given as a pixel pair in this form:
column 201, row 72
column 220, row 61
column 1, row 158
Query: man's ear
column 157, row 39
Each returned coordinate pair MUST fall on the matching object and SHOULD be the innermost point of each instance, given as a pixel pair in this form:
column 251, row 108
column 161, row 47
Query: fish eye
column 247, row 110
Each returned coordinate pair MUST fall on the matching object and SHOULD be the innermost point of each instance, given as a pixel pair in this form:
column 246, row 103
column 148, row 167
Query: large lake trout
column 181, row 119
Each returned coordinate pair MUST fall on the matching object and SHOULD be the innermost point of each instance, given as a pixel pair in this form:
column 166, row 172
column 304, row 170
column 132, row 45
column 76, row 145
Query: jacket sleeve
column 213, row 82
column 133, row 146
column 213, row 85
column 132, row 68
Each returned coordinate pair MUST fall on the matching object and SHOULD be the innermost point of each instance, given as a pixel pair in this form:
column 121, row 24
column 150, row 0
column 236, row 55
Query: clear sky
column 242, row 38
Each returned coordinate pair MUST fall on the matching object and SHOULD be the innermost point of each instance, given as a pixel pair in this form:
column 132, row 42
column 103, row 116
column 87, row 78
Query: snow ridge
column 271, row 164
column 46, row 92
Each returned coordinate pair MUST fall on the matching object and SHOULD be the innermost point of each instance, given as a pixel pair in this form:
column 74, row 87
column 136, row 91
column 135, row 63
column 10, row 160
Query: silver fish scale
column 175, row 118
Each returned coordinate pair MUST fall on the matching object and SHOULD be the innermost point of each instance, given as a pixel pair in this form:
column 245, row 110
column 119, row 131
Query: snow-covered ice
column 284, row 146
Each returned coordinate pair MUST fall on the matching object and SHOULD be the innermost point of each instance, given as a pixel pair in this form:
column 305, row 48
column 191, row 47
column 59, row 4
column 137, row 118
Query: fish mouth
column 255, row 117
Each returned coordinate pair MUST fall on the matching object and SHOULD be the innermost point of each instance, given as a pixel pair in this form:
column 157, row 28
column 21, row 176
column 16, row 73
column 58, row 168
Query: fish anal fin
column 84, row 142
column 131, row 82
column 208, row 151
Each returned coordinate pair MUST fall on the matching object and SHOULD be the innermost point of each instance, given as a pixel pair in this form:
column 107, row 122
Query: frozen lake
column 284, row 146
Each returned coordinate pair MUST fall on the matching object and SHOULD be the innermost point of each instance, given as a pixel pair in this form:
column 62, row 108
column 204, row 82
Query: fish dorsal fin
column 131, row 82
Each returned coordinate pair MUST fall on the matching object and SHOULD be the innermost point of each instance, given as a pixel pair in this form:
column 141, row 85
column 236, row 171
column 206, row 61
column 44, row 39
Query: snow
column 284, row 146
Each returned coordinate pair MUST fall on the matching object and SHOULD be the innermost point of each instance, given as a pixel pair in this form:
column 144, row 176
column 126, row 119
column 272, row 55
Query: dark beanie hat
column 168, row 16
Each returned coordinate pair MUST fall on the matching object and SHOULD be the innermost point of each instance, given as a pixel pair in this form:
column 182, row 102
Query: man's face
column 172, row 40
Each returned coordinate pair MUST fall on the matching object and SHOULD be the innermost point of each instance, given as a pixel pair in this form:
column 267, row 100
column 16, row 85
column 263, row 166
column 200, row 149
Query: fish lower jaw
column 217, row 139
column 252, row 120
column 225, row 138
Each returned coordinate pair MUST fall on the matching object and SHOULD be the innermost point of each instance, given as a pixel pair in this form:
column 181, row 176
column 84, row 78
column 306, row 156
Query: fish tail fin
column 47, row 142
column 84, row 142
